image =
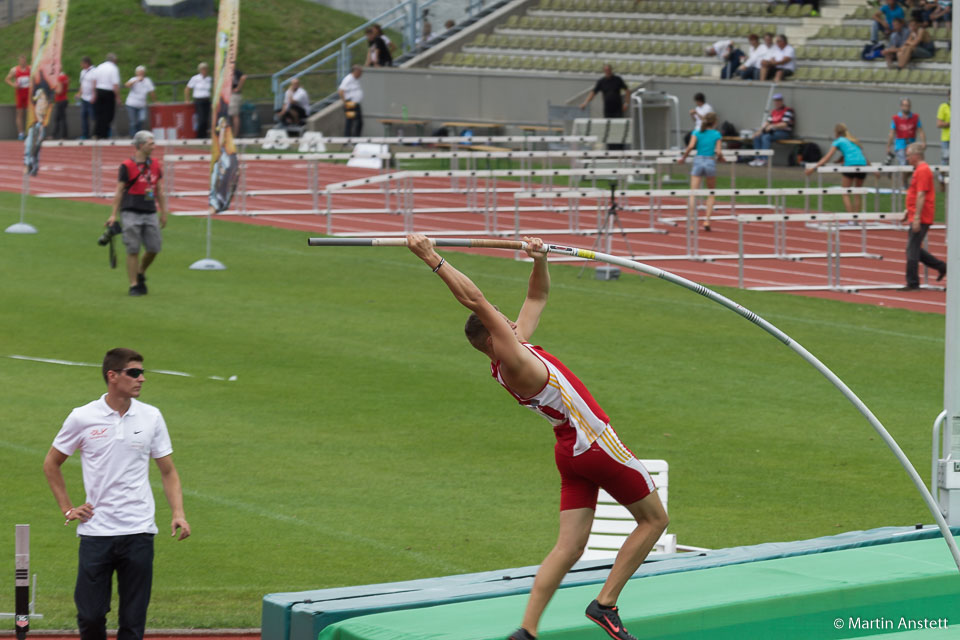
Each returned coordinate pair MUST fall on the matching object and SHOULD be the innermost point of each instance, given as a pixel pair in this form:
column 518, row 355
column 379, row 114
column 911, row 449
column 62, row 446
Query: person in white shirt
column 107, row 97
column 86, row 93
column 719, row 48
column 351, row 93
column 296, row 104
column 141, row 88
column 202, row 86
column 780, row 63
column 750, row 69
column 116, row 436
column 700, row 109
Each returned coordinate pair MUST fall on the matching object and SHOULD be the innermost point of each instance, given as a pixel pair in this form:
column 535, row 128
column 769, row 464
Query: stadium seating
column 670, row 38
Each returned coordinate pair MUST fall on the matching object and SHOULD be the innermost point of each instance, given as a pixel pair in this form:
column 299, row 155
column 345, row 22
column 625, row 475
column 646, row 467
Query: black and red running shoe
column 609, row 621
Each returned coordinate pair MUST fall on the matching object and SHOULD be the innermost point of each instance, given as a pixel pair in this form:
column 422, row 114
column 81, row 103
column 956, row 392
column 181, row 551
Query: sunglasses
column 133, row 372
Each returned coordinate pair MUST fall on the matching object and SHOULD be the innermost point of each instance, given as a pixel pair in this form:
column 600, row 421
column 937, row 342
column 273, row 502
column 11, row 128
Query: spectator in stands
column 919, row 45
column 107, row 97
column 779, row 126
column 386, row 40
column 60, row 103
column 201, row 85
column 141, row 90
column 610, row 86
column 725, row 50
column 750, row 69
column 378, row 54
column 853, row 156
column 731, row 62
column 883, row 19
column 943, row 123
column 426, row 31
column 941, row 12
column 19, row 78
column 905, row 129
column 296, row 105
column 86, row 94
column 781, row 63
column 897, row 38
column 708, row 143
column 449, row 24
column 236, row 100
column 351, row 92
column 921, row 205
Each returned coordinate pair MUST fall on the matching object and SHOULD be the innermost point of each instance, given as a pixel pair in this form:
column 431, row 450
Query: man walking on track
column 921, row 207
column 588, row 453
column 116, row 435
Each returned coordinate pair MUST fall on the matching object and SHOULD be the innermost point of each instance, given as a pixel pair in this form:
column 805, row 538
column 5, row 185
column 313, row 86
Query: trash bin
column 249, row 121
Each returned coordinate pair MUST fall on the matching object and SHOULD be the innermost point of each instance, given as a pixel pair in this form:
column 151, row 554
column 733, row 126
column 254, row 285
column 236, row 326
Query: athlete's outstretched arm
column 506, row 347
column 538, row 290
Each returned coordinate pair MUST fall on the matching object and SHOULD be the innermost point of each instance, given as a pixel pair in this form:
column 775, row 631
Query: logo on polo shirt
column 99, row 433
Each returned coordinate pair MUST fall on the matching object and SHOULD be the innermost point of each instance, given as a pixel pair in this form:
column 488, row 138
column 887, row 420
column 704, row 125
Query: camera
column 113, row 230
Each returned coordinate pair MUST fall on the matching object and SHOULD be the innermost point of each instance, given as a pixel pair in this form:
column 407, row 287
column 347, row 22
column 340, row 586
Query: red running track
column 69, row 170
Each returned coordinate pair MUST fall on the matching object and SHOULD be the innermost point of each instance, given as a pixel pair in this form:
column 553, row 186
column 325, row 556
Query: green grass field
column 364, row 441
column 273, row 33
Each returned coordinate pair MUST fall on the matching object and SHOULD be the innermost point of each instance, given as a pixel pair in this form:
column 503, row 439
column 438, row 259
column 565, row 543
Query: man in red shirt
column 921, row 203
column 19, row 79
column 60, row 107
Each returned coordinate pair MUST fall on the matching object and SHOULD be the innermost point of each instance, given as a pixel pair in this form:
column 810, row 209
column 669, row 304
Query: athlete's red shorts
column 23, row 98
column 606, row 464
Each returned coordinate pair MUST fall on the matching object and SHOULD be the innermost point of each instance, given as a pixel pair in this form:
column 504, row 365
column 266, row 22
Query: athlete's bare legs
column 652, row 521
column 571, row 541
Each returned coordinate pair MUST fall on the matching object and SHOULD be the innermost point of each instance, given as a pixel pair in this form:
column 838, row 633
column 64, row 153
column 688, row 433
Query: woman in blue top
column 708, row 142
column 853, row 156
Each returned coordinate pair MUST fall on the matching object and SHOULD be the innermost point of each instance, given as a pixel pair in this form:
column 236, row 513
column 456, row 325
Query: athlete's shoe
column 522, row 634
column 142, row 283
column 609, row 621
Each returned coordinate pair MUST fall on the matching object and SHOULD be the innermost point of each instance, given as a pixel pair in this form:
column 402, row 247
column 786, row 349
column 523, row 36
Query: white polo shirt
column 115, row 453
column 88, row 83
column 139, row 91
column 108, row 76
column 787, row 52
column 200, row 86
column 351, row 88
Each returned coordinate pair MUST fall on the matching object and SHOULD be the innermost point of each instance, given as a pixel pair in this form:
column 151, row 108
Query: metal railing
column 338, row 56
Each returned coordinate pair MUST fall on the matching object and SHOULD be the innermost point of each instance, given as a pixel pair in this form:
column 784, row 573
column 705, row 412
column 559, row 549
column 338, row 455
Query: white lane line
column 71, row 363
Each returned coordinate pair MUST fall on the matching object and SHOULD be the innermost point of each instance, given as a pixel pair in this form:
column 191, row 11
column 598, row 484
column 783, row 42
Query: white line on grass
column 71, row 363
column 239, row 505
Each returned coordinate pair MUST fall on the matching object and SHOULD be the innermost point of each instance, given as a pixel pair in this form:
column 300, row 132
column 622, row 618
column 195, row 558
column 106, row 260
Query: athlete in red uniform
column 19, row 79
column 588, row 453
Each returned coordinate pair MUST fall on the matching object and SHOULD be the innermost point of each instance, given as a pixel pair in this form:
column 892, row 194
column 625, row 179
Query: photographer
column 139, row 191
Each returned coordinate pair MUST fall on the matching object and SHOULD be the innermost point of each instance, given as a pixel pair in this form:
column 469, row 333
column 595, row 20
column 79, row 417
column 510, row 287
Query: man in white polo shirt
column 351, row 92
column 86, row 93
column 116, row 435
column 107, row 96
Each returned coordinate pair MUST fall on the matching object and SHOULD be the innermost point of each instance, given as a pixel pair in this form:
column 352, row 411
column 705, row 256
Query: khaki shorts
column 141, row 229
column 236, row 101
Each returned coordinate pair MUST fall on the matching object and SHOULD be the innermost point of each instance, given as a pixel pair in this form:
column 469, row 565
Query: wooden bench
column 390, row 123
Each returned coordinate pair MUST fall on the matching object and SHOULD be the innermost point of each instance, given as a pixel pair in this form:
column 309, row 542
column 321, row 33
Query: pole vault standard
column 518, row 245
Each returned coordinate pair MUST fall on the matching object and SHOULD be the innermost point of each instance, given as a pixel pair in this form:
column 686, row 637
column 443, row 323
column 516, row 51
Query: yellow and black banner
column 45, row 74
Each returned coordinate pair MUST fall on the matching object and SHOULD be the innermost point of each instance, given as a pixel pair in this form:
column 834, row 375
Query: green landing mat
column 796, row 598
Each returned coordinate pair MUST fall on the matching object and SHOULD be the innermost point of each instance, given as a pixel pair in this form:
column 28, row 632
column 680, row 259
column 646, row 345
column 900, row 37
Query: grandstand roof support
column 949, row 470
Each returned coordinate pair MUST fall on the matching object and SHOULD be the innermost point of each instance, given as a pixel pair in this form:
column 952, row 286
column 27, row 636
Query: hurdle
column 833, row 253
column 405, row 191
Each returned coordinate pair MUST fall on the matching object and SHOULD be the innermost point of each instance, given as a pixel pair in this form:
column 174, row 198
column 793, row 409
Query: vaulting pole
column 518, row 245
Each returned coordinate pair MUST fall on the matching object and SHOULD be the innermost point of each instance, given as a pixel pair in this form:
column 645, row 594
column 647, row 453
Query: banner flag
column 224, row 163
column 44, row 76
